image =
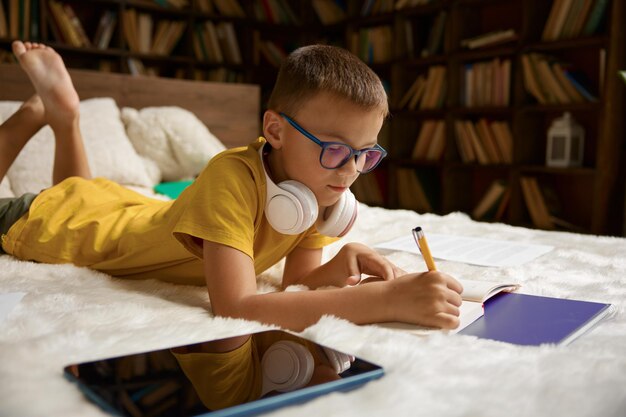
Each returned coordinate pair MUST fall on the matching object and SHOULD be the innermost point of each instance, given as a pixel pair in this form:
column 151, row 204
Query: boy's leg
column 53, row 84
column 18, row 129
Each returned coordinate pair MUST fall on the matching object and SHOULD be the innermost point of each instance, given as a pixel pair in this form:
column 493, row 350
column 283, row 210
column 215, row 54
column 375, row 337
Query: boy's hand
column 360, row 259
column 429, row 299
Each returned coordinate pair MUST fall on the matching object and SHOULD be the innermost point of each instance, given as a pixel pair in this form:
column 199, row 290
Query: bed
column 72, row 314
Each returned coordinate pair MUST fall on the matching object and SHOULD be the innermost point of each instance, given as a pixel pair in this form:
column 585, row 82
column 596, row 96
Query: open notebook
column 475, row 293
column 534, row 320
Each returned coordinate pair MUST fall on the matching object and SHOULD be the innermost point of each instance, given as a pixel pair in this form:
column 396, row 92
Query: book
column 474, row 294
column 490, row 39
column 531, row 80
column 570, row 19
column 536, row 204
column 463, row 142
column 504, row 138
column 77, row 26
column 411, row 193
column 533, row 320
column 102, row 37
column 490, row 200
column 477, row 145
column 328, row 11
column 435, row 35
column 595, row 17
column 427, row 132
column 581, row 18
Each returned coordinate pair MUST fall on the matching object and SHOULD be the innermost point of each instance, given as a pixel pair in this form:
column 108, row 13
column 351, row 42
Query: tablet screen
column 237, row 376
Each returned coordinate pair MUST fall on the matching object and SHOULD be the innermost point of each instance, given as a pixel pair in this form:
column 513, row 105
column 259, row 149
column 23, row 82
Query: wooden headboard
column 231, row 111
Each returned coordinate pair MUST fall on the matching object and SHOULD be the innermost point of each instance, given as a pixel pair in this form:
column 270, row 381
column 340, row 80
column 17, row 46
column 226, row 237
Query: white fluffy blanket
column 71, row 314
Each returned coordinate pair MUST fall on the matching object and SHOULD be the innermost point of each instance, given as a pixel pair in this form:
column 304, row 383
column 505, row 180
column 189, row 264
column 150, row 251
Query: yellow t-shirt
column 104, row 226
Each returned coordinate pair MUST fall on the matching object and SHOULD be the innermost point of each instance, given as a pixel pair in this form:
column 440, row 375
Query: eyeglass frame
column 324, row 144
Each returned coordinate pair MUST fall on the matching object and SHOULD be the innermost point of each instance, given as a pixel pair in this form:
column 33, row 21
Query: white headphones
column 291, row 208
column 288, row 365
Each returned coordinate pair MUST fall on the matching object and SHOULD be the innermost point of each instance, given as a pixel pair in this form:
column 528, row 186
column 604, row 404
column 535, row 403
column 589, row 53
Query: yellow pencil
column 422, row 245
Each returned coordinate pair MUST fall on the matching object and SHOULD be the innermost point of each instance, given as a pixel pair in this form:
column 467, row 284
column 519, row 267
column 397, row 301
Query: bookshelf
column 488, row 86
column 469, row 60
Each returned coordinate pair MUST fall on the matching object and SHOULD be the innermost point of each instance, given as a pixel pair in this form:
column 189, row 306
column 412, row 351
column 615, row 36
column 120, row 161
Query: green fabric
column 11, row 209
column 172, row 189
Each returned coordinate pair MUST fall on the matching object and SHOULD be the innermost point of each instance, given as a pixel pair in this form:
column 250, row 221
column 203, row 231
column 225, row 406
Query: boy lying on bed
column 224, row 230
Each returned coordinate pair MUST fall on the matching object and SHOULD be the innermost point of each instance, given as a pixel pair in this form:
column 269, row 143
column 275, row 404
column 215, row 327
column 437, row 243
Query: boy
column 217, row 231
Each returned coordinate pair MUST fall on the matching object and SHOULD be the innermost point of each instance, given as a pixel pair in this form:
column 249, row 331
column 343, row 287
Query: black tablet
column 237, row 376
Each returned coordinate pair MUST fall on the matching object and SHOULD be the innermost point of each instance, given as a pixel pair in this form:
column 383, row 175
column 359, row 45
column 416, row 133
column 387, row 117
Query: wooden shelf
column 454, row 185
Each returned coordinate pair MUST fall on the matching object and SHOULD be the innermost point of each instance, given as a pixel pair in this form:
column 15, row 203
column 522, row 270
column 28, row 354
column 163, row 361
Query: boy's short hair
column 313, row 69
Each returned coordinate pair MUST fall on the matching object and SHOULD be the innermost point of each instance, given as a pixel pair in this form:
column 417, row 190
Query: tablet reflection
column 213, row 375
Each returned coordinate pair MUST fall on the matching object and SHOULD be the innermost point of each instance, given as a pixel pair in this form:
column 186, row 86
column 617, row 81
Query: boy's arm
column 302, row 266
column 430, row 299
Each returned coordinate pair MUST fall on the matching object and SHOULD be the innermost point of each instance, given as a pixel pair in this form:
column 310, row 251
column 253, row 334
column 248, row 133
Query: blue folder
column 524, row 319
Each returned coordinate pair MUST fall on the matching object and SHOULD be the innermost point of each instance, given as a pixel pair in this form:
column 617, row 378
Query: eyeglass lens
column 336, row 155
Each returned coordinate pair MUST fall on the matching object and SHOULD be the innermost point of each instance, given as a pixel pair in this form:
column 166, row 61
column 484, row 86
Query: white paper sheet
column 8, row 302
column 471, row 250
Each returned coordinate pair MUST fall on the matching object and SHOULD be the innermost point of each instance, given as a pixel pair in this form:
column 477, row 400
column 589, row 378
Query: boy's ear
column 273, row 128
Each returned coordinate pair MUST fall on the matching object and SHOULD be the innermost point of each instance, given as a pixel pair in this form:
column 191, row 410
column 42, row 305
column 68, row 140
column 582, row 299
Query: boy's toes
column 18, row 48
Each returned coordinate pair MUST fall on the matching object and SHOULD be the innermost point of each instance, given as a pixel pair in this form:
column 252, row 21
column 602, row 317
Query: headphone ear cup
column 290, row 207
column 338, row 219
column 286, row 366
column 339, row 361
column 304, row 203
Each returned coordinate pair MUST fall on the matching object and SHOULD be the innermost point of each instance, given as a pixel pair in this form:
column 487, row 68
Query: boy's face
column 330, row 119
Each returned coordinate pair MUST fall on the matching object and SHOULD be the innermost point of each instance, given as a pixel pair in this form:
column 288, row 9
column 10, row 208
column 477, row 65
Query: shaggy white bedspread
column 71, row 314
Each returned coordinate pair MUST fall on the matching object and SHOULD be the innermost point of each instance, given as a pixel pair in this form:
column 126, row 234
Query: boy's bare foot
column 53, row 84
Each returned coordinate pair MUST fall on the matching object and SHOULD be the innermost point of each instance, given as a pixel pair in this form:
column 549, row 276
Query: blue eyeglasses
column 336, row 154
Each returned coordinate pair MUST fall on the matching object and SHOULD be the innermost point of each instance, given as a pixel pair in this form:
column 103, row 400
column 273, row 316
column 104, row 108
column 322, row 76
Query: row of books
column 426, row 92
column 230, row 8
column 553, row 82
column 275, row 12
column 143, row 37
column 216, row 43
column 541, row 202
column 373, row 45
column 329, row 11
column 574, row 18
column 66, row 26
column 431, row 141
column 487, row 83
column 484, row 142
column 19, row 19
column 433, row 44
column 544, row 207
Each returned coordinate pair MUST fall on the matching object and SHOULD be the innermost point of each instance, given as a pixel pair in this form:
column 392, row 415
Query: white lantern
column 566, row 140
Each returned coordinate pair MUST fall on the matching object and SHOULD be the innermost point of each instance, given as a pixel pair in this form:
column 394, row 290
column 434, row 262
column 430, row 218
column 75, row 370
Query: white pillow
column 5, row 188
column 174, row 138
column 110, row 153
